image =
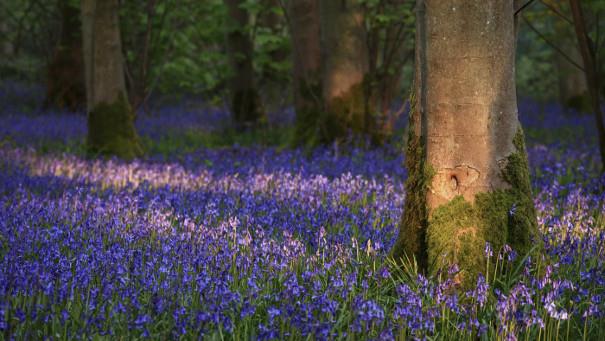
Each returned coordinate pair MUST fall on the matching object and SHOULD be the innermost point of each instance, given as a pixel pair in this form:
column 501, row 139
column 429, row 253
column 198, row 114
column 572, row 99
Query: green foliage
column 29, row 33
column 185, row 46
column 186, row 52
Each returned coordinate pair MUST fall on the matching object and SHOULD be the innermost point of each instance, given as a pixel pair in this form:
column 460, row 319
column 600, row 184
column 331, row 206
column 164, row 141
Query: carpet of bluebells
column 269, row 243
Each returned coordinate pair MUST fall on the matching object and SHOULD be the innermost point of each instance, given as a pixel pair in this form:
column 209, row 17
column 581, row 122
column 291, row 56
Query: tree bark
column 273, row 81
column 573, row 89
column 110, row 119
column 344, row 69
column 65, row 82
column 388, row 53
column 246, row 105
column 590, row 71
column 306, row 54
column 468, row 179
column 7, row 45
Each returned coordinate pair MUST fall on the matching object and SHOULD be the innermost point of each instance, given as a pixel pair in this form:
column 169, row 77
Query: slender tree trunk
column 110, row 119
column 388, row 54
column 65, row 82
column 7, row 45
column 87, row 10
column 273, row 81
column 246, row 105
column 590, row 70
column 573, row 89
column 306, row 53
column 344, row 69
column 468, row 180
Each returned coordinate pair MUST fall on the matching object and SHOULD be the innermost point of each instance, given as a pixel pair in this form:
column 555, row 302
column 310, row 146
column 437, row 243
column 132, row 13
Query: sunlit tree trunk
column 246, row 105
column 306, row 53
column 65, row 82
column 110, row 119
column 587, row 50
column 468, row 180
column 345, row 66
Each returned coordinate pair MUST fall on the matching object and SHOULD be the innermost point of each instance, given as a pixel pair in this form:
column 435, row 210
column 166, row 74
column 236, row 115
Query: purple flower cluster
column 266, row 244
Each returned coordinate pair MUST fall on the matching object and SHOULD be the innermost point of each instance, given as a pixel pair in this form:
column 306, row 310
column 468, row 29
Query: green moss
column 411, row 242
column 111, row 130
column 457, row 231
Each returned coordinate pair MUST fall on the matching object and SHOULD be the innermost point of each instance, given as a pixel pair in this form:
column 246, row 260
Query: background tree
column 306, row 70
column 588, row 51
column 246, row 105
column 468, row 180
column 573, row 90
column 110, row 119
column 344, row 70
column 272, row 58
column 65, row 82
column 390, row 27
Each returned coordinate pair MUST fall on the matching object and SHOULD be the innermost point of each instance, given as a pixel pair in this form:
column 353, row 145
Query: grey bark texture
column 466, row 157
column 110, row 119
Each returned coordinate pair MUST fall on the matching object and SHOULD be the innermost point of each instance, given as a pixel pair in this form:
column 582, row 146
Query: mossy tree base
column 411, row 242
column 457, row 232
column 111, row 130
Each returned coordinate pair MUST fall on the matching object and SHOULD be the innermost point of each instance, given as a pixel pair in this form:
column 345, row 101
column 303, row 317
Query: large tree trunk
column 306, row 53
column 344, row 69
column 246, row 105
column 110, row 119
column 587, row 50
column 65, row 82
column 468, row 180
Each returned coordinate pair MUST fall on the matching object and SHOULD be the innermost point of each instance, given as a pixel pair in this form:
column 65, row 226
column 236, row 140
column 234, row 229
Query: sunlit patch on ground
column 244, row 242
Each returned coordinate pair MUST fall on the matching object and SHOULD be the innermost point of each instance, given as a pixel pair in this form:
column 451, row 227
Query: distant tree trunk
column 7, row 45
column 246, row 105
column 587, row 50
column 573, row 89
column 344, row 69
column 388, row 53
column 306, row 53
column 65, row 82
column 110, row 119
column 468, row 179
